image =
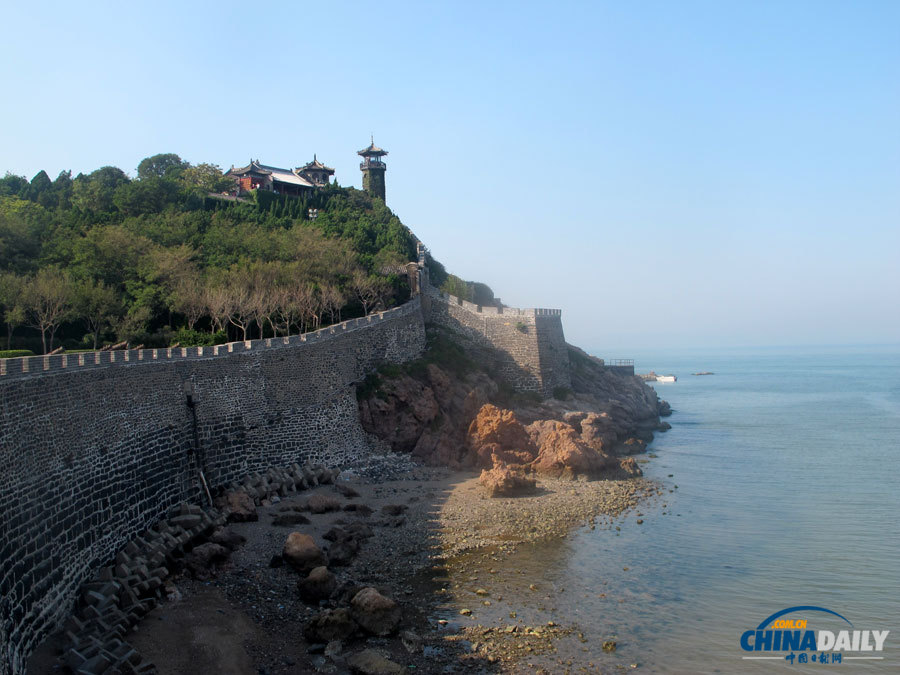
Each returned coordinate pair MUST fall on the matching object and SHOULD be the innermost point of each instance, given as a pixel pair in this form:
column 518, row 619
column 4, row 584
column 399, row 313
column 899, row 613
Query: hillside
column 101, row 258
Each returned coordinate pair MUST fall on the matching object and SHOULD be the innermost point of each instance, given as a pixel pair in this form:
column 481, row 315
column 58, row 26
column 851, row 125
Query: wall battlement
column 25, row 366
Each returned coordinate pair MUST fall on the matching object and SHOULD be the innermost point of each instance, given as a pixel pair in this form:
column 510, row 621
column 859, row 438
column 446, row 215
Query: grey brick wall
column 95, row 449
column 530, row 341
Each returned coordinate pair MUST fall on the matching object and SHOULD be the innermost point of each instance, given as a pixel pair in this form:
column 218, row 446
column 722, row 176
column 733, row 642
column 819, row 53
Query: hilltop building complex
column 256, row 176
column 303, row 179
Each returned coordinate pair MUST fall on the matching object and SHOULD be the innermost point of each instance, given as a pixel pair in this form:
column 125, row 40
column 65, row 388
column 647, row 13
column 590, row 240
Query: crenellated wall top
column 31, row 366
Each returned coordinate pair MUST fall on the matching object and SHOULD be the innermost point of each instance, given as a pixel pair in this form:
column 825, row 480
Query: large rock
column 403, row 408
column 301, row 551
column 227, row 538
column 323, row 504
column 497, row 435
column 239, row 507
column 330, row 624
column 632, row 446
column 318, row 585
column 598, row 430
column 375, row 613
column 562, row 452
column 627, row 468
column 342, row 552
column 501, row 481
column 370, row 662
column 203, row 560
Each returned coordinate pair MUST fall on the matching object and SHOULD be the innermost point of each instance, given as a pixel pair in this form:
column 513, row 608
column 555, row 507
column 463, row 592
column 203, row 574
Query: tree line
column 101, row 258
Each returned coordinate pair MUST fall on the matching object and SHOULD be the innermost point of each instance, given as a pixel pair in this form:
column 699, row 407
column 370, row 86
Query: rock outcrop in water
column 456, row 413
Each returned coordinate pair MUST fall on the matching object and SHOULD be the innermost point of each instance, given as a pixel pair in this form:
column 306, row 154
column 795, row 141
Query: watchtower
column 373, row 168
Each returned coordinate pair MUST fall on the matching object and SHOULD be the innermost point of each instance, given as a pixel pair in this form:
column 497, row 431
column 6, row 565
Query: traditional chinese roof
column 278, row 174
column 316, row 165
column 253, row 167
column 372, row 151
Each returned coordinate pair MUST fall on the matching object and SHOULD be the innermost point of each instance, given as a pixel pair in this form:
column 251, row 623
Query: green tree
column 98, row 306
column 150, row 195
column 12, row 185
column 12, row 288
column 205, row 178
column 456, row 286
column 165, row 165
column 94, row 193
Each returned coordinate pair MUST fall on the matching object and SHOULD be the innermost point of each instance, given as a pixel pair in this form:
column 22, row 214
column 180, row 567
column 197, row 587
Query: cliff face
column 452, row 409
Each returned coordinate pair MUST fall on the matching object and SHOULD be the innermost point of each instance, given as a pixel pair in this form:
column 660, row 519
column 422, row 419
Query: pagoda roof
column 316, row 165
column 278, row 174
column 372, row 150
column 253, row 167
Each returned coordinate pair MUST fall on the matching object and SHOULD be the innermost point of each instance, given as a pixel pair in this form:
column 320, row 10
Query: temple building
column 256, row 176
column 373, row 168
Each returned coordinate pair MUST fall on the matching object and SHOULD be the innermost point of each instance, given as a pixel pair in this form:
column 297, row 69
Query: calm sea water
column 787, row 464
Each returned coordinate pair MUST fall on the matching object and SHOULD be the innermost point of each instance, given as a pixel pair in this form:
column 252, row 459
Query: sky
column 669, row 174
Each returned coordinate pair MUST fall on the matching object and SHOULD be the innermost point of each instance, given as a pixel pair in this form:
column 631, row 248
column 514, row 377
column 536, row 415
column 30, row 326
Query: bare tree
column 216, row 301
column 239, row 292
column 332, row 299
column 369, row 290
column 49, row 301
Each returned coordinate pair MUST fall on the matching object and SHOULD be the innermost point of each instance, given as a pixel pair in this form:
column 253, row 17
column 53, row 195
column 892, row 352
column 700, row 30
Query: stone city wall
column 530, row 342
column 97, row 447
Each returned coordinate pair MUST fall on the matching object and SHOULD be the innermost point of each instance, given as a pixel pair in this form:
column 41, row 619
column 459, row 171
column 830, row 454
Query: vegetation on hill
column 102, row 258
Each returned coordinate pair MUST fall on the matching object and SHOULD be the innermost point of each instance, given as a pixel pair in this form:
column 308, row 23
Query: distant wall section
column 530, row 342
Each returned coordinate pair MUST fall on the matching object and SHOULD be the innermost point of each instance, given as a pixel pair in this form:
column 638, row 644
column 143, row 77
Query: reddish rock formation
column 501, row 481
column 563, row 453
column 450, row 419
column 496, row 436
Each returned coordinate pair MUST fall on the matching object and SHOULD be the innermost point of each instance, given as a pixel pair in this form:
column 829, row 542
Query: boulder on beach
column 330, row 624
column 301, row 552
column 374, row 612
column 370, row 662
column 239, row 506
column 227, row 538
column 501, row 481
column 563, row 454
column 497, row 434
column 318, row 585
column 323, row 504
column 202, row 561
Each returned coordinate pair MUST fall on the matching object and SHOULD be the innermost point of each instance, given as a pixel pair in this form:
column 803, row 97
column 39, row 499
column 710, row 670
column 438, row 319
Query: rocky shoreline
column 406, row 560
column 436, row 542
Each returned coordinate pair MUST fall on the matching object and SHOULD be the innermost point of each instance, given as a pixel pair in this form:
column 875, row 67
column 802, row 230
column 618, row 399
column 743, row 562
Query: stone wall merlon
column 497, row 311
column 30, row 366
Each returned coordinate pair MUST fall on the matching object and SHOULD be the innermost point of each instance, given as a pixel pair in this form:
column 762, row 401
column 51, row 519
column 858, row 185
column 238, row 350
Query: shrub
column 195, row 338
column 13, row 353
column 521, row 327
column 562, row 393
column 368, row 387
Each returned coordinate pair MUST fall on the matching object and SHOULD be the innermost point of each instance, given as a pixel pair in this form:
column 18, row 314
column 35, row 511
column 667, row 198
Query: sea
column 780, row 488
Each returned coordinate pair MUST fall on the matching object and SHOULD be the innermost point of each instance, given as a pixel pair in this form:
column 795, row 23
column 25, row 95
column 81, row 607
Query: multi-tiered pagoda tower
column 373, row 168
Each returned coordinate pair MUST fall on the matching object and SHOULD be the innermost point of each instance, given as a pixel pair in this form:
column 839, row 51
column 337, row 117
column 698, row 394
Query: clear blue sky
column 667, row 173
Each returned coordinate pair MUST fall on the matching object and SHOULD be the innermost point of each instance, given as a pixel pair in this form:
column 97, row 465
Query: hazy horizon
column 667, row 175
